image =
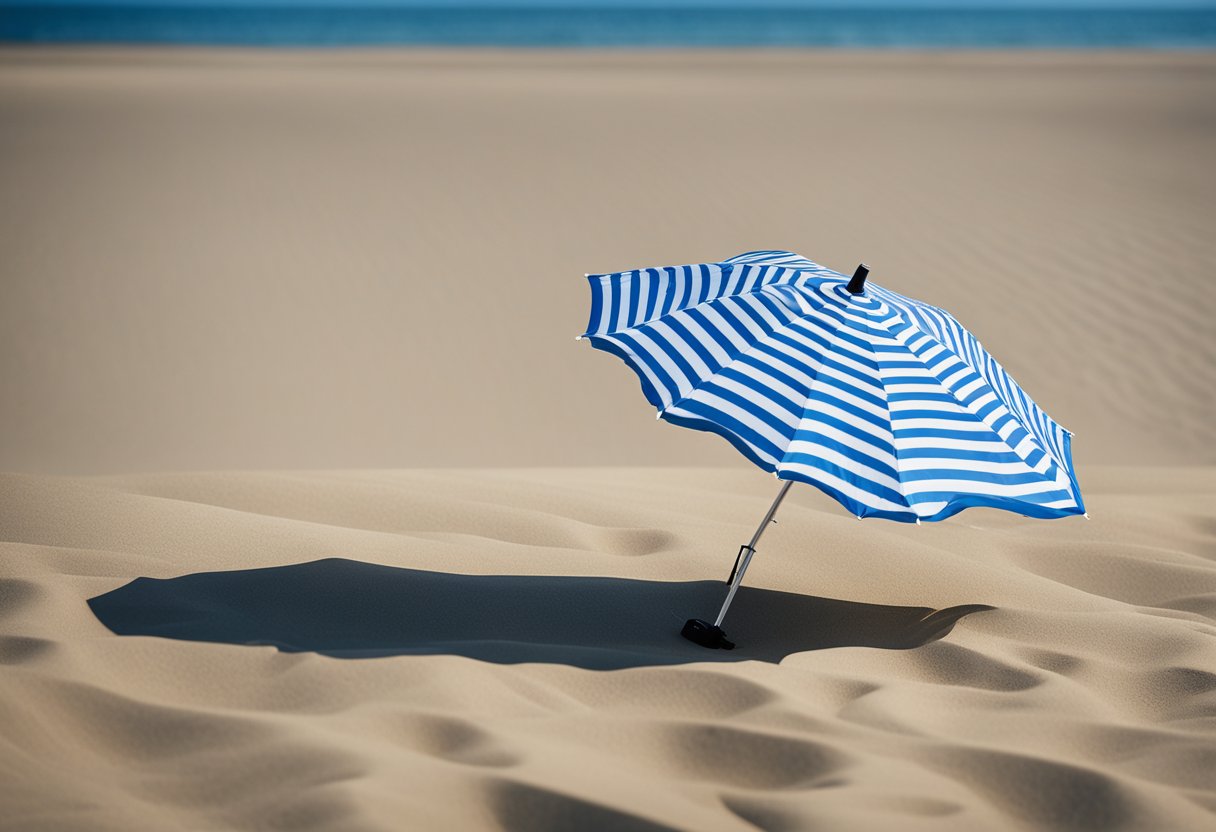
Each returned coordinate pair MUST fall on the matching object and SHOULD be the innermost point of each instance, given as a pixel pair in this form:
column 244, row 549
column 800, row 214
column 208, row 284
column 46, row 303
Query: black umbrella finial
column 858, row 284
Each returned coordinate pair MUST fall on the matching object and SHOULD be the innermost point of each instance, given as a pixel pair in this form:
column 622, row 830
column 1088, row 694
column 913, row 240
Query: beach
column 269, row 260
column 289, row 335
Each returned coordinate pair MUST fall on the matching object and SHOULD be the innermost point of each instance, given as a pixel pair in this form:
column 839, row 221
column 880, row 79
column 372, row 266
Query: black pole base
column 706, row 634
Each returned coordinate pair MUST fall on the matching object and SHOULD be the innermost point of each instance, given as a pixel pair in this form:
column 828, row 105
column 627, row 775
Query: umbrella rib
column 785, row 276
column 808, row 408
column 746, row 352
column 1048, row 476
column 1049, row 448
column 727, row 268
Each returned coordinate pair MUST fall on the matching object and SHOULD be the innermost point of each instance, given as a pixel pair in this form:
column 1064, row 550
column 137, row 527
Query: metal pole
column 751, row 550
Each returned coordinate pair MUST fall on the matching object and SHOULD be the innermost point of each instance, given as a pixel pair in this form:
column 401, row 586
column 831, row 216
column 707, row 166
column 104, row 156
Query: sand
column 375, row 260
column 500, row 650
column 428, row 561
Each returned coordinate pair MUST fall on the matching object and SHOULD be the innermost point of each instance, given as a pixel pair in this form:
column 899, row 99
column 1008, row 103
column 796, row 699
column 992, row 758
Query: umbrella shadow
column 350, row 609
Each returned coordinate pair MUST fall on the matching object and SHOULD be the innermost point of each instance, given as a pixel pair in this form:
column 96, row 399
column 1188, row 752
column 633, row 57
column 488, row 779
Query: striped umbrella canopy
column 885, row 403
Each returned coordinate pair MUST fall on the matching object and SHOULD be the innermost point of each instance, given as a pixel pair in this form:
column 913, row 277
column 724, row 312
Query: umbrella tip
column 578, row 337
column 858, row 283
column 658, row 415
column 918, row 521
column 1087, row 515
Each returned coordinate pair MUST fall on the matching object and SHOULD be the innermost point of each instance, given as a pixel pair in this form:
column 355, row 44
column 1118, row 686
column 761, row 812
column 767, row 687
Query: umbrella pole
column 750, row 548
column 711, row 635
column 768, row 518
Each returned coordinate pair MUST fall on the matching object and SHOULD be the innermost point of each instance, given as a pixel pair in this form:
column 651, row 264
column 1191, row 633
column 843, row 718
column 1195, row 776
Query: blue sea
column 582, row 26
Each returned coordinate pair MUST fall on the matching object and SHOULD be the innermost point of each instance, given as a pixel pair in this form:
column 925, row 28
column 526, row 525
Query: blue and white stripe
column 885, row 403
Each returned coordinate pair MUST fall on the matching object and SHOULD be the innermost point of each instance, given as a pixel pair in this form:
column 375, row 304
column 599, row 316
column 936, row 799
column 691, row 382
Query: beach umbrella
column 882, row 402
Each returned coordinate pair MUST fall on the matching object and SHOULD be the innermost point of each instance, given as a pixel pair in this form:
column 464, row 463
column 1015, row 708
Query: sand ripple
column 378, row 651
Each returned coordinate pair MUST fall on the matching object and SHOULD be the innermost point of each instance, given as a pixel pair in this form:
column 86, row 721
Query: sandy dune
column 529, row 672
column 256, row 261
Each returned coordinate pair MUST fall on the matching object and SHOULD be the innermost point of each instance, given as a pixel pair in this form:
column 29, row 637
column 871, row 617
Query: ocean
column 312, row 25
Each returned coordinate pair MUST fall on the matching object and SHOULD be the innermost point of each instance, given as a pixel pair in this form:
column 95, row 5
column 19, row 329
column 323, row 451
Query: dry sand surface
column 364, row 261
column 528, row 672
column 374, row 260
